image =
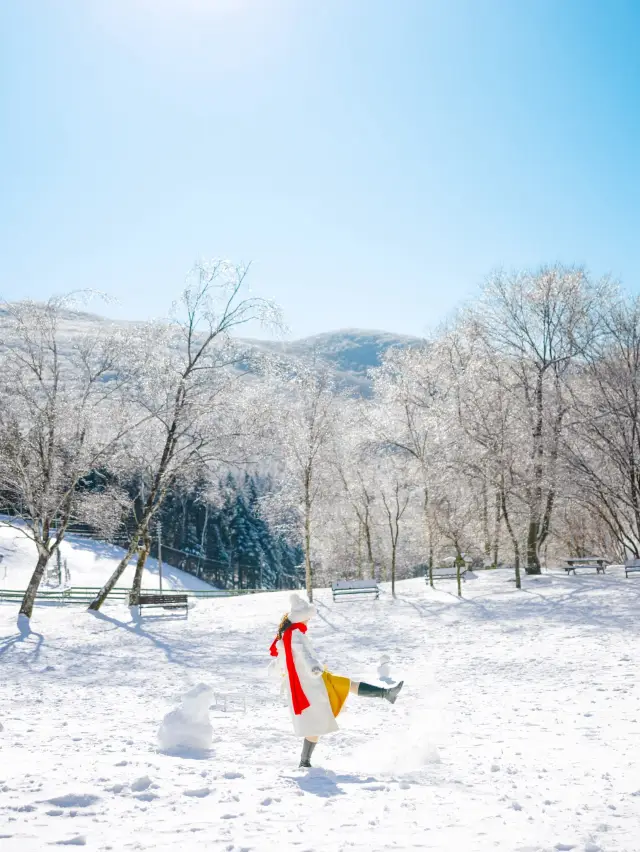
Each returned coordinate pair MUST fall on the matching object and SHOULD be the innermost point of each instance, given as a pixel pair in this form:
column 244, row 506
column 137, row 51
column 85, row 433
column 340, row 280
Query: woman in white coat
column 315, row 695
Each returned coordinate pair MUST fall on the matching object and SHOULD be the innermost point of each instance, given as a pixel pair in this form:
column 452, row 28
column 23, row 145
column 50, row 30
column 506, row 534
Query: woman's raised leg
column 368, row 690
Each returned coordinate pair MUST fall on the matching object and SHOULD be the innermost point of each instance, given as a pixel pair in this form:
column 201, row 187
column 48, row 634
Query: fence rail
column 85, row 594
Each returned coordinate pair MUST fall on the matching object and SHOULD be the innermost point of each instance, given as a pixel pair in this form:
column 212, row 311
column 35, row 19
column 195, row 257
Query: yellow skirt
column 337, row 690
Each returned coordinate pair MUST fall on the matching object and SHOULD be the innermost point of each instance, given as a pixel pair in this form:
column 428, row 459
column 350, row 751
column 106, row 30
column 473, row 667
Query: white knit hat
column 301, row 610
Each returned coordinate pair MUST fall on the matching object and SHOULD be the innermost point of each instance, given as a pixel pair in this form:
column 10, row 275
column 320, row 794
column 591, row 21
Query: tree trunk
column 101, row 597
column 153, row 505
column 514, row 538
column 307, row 542
column 485, row 520
column 496, row 528
column 29, row 598
column 535, row 505
column 393, row 536
column 370, row 559
column 427, row 534
column 533, row 561
column 431, row 560
column 203, row 539
column 459, row 564
column 137, row 577
column 359, row 550
column 393, row 568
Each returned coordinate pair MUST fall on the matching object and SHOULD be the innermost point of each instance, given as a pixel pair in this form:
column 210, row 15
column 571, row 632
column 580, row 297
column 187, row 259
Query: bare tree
column 485, row 410
column 602, row 446
column 306, row 414
column 395, row 493
column 61, row 417
column 542, row 322
column 455, row 520
column 188, row 384
column 354, row 467
column 409, row 399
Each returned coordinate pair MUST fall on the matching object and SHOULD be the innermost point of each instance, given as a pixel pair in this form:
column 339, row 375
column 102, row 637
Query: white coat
column 318, row 718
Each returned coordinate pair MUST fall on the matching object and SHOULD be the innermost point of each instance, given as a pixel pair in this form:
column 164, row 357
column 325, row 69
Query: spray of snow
column 188, row 727
column 416, row 748
column 408, row 743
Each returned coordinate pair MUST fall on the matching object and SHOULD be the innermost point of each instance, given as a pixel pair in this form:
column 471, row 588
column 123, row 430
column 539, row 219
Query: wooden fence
column 85, row 594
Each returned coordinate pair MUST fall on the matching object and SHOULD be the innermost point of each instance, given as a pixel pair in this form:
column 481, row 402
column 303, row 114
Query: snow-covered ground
column 518, row 728
column 90, row 563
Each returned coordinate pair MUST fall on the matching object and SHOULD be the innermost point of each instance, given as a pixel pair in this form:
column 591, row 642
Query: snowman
column 188, row 726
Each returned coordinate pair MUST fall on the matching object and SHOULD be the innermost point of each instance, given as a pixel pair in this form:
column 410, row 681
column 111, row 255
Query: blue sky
column 375, row 159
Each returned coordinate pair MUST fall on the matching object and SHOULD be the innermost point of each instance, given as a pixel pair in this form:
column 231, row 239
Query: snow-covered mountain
column 349, row 352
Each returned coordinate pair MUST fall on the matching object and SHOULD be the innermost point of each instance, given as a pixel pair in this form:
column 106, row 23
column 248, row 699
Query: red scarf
column 298, row 698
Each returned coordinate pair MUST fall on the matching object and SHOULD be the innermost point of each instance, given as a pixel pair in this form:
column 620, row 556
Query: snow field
column 517, row 729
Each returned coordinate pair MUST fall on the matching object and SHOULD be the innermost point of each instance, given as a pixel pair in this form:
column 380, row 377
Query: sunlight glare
column 244, row 32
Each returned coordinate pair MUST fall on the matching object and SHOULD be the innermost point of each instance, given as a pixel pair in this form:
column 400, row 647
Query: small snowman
column 384, row 670
column 188, row 727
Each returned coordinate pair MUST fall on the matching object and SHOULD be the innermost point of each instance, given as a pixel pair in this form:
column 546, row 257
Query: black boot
column 367, row 690
column 307, row 751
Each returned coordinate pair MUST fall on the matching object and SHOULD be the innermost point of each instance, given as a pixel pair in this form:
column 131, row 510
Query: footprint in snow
column 141, row 784
column 147, row 797
column 116, row 788
column 72, row 800
column 198, row 794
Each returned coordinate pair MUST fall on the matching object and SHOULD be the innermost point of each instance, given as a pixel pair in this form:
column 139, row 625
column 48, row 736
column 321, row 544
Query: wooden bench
column 447, row 573
column 171, row 601
column 343, row 588
column 596, row 562
column 631, row 567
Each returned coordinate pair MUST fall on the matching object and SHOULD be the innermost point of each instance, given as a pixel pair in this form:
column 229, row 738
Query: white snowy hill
column 90, row 563
column 516, row 731
column 348, row 353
